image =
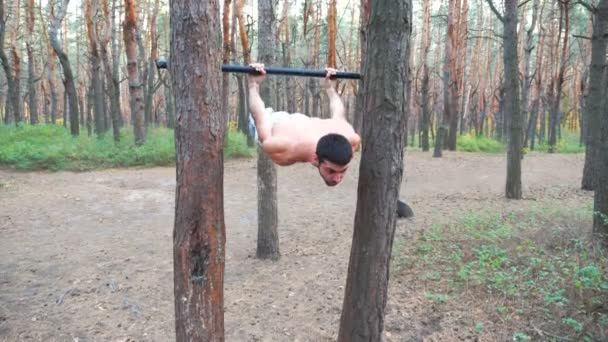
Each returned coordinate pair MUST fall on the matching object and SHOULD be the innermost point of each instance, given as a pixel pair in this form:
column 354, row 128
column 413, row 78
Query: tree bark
column 425, row 100
column 68, row 80
column 136, row 93
column 525, row 92
column 199, row 235
column 31, row 63
column 116, row 63
column 149, row 94
column 365, row 8
column 511, row 103
column 600, row 164
column 12, row 111
column 268, row 235
column 98, row 92
column 331, row 34
column 243, row 95
column 554, row 120
column 106, row 35
column 597, row 94
column 380, row 170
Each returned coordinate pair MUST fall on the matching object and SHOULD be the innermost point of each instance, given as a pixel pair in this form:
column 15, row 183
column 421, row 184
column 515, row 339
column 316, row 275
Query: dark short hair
column 335, row 148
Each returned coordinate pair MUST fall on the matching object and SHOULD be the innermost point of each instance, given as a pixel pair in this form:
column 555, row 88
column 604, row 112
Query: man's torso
column 301, row 134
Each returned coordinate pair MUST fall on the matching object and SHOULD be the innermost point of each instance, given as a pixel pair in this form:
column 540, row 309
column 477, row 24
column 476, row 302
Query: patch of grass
column 569, row 143
column 536, row 267
column 51, row 147
column 472, row 143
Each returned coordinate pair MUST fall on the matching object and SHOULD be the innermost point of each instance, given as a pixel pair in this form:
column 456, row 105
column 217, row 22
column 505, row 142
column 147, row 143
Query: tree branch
column 500, row 17
column 523, row 3
column 582, row 37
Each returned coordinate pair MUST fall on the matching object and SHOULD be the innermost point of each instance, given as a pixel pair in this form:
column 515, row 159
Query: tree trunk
column 31, row 64
column 68, row 81
column 511, row 103
column 116, row 63
column 554, row 119
column 12, row 100
column 331, row 34
column 226, row 57
column 52, row 85
column 449, row 74
column 16, row 60
column 136, row 93
column 380, row 170
column 425, row 100
column 597, row 94
column 243, row 95
column 152, row 63
column 199, row 235
column 525, row 92
column 268, row 236
column 106, row 35
column 600, row 164
column 364, row 13
column 98, row 93
column 90, row 101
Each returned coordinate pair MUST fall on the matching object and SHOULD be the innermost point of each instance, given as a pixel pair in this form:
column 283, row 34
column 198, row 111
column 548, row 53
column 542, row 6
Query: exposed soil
column 88, row 256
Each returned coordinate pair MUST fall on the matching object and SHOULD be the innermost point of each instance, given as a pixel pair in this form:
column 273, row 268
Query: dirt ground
column 88, row 256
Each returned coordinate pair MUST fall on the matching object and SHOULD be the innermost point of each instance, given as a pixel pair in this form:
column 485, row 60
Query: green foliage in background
column 51, row 147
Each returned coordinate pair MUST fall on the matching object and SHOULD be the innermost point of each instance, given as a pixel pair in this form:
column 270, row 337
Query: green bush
column 472, row 143
column 52, row 147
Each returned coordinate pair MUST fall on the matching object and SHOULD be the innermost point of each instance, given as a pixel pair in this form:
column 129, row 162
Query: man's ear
column 315, row 160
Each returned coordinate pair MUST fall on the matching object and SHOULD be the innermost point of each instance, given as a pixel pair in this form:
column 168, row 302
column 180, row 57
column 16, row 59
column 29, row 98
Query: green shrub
column 52, row 147
column 472, row 143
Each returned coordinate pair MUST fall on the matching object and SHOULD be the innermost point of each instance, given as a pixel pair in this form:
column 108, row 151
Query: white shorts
column 274, row 118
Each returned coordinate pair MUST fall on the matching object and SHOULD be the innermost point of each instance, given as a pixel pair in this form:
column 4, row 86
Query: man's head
column 334, row 152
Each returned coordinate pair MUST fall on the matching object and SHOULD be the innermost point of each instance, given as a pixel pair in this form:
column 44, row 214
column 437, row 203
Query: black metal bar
column 162, row 63
column 289, row 71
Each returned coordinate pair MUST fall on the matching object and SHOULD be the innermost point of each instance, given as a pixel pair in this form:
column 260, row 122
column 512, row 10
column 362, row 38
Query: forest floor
column 88, row 256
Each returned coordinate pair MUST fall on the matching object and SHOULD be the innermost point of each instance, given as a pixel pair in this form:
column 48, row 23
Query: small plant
column 441, row 298
column 576, row 325
column 520, row 336
column 479, row 327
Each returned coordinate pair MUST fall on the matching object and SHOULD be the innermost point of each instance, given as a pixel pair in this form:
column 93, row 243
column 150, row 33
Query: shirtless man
column 328, row 144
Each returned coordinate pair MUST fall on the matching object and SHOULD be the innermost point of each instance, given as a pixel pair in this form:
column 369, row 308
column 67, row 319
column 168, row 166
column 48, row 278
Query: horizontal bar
column 162, row 63
column 289, row 71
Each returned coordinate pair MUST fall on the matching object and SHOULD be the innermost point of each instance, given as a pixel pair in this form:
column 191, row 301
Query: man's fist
column 329, row 82
column 257, row 78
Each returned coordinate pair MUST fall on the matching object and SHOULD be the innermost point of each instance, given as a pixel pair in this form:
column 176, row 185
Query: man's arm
column 336, row 106
column 256, row 105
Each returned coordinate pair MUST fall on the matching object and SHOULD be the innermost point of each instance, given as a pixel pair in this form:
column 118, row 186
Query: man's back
column 295, row 139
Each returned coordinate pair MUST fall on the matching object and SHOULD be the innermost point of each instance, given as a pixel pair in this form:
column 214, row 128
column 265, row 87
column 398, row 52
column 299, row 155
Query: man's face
column 332, row 173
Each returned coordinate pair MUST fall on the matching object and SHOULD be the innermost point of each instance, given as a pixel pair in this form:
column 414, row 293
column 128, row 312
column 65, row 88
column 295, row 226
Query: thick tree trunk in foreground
column 199, row 233
column 268, row 235
column 596, row 160
column 596, row 95
column 380, row 171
